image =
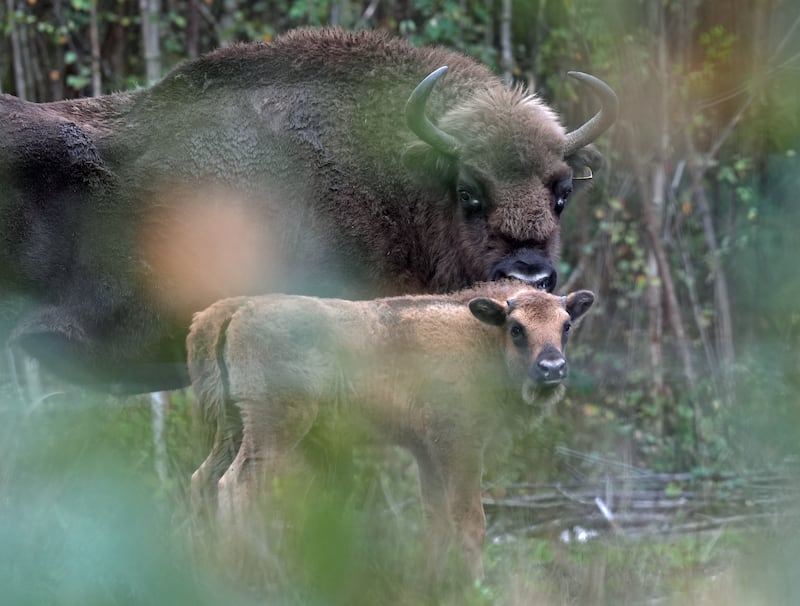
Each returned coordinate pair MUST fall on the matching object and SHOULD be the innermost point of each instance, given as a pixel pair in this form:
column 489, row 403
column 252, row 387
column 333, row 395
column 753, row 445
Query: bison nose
column 550, row 367
column 529, row 266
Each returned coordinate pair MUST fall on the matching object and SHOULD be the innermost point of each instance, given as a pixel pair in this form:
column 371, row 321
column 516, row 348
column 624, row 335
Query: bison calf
column 429, row 373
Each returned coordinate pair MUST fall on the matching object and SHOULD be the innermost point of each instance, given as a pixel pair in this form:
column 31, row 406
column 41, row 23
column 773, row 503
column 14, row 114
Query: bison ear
column 488, row 311
column 584, row 163
column 430, row 167
column 578, row 303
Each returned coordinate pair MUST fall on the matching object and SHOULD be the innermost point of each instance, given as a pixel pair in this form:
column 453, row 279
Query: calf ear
column 488, row 311
column 578, row 303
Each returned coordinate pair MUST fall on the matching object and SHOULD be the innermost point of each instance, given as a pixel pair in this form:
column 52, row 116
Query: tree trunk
column 94, row 37
column 463, row 10
column 227, row 22
column 712, row 361
column 652, row 213
column 341, row 13
column 724, row 324
column 537, row 34
column 488, row 34
column 39, row 61
column 57, row 84
column 20, row 83
column 670, row 297
column 150, row 13
column 7, row 20
column 506, row 50
column 193, row 31
column 655, row 315
column 159, row 403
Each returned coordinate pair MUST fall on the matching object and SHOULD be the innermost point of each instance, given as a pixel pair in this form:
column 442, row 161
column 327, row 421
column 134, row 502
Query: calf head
column 536, row 326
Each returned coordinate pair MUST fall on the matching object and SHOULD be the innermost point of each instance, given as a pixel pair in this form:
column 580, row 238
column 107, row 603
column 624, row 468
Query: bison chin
column 529, row 266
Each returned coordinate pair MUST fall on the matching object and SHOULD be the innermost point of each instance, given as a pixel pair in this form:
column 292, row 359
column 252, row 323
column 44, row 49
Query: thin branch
column 785, row 40
column 368, row 13
column 211, row 20
column 726, row 132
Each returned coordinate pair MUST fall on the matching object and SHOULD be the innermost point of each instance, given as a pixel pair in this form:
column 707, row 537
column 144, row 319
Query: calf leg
column 438, row 526
column 206, row 478
column 451, row 494
column 271, row 430
column 227, row 440
column 466, row 510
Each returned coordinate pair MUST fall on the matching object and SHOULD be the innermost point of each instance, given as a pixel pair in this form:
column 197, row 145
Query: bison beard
column 99, row 198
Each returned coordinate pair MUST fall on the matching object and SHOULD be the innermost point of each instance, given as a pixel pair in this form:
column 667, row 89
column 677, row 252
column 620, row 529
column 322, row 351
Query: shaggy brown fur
column 105, row 204
column 428, row 373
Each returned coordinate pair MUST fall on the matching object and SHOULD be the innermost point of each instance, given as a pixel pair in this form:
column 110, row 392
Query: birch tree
column 150, row 11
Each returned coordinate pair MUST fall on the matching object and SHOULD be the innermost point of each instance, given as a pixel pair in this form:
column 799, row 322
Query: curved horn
column 418, row 122
column 599, row 123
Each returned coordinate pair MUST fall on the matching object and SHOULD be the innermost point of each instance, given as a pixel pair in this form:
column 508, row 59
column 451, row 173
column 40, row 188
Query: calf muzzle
column 550, row 367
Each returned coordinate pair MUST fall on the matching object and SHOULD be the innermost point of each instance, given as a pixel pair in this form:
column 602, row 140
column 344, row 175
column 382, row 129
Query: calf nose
column 550, row 367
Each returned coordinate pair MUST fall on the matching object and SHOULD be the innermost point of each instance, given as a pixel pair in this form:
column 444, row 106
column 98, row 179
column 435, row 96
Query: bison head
column 509, row 168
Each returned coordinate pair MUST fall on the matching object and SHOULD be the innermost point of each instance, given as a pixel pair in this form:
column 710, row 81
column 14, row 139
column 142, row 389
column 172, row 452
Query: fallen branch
column 646, row 504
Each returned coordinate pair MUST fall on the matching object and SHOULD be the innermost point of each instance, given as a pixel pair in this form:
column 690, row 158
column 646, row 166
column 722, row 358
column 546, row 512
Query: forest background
column 690, row 360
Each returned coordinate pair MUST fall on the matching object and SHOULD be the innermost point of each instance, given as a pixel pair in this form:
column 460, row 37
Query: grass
column 85, row 519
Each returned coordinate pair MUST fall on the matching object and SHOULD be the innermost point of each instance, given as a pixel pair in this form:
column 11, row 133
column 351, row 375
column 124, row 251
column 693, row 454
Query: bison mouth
column 528, row 266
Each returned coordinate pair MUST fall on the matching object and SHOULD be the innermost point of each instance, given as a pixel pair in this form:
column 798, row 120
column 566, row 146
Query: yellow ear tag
column 582, row 174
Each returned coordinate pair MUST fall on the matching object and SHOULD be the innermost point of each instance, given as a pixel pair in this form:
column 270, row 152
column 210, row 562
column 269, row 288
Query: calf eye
column 517, row 335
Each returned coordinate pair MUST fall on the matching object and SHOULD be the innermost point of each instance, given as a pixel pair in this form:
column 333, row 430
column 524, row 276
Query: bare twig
column 650, row 504
column 608, row 515
column 369, row 12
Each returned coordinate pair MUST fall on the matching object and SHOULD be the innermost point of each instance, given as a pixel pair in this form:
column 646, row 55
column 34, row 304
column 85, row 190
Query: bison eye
column 469, row 201
column 561, row 191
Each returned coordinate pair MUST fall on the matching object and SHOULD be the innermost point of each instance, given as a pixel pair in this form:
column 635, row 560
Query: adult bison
column 326, row 162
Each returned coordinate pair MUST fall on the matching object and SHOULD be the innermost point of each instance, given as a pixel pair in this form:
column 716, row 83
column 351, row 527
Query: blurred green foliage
column 85, row 519
column 709, row 87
